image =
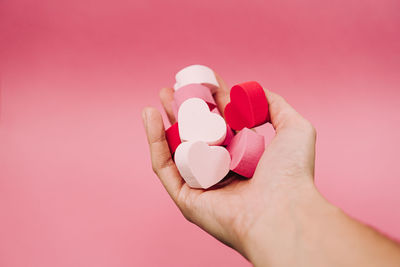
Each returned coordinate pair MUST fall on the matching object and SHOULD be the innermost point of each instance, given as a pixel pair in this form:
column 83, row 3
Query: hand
column 276, row 218
column 231, row 211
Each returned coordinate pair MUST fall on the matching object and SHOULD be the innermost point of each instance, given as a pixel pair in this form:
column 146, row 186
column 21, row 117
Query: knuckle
column 187, row 214
column 158, row 165
column 276, row 99
column 187, row 217
column 313, row 131
column 165, row 163
column 154, row 167
column 309, row 128
column 185, row 207
column 158, row 139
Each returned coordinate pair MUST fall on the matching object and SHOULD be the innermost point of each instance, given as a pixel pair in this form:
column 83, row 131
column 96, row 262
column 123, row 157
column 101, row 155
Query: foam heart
column 246, row 149
column 172, row 136
column 194, row 90
column 196, row 74
column 200, row 165
column 248, row 106
column 229, row 133
column 229, row 136
column 197, row 123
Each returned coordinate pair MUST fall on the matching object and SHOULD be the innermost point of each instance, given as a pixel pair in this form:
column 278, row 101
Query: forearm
column 308, row 231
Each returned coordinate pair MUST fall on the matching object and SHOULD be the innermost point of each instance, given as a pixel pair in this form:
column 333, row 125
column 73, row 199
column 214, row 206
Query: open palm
column 231, row 209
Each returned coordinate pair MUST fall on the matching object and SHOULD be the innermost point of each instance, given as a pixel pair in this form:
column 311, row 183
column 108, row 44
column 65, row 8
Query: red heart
column 172, row 136
column 248, row 107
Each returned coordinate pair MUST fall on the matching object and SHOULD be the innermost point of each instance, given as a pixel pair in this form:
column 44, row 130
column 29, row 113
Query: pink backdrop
column 76, row 186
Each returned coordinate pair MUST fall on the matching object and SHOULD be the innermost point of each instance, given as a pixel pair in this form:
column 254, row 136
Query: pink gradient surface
column 76, row 186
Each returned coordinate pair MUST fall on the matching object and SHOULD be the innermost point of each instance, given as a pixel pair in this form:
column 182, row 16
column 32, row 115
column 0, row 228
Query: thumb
column 284, row 116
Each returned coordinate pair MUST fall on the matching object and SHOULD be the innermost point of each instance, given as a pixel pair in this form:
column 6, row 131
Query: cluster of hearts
column 205, row 146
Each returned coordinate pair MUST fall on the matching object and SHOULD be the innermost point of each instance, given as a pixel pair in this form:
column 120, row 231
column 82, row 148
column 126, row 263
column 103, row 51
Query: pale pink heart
column 197, row 123
column 196, row 74
column 200, row 165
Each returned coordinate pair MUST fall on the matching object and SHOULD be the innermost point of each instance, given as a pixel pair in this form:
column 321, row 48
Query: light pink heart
column 197, row 123
column 200, row 165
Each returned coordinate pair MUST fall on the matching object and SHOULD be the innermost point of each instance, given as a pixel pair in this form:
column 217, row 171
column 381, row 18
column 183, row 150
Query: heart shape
column 248, row 107
column 200, row 165
column 196, row 74
column 197, row 123
column 246, row 149
column 194, row 90
column 229, row 133
column 172, row 136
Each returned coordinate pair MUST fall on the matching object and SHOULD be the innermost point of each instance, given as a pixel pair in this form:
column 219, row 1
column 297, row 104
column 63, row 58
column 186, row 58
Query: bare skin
column 277, row 218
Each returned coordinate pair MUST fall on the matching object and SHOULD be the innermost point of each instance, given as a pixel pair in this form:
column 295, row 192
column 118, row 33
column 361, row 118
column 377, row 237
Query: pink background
column 76, row 186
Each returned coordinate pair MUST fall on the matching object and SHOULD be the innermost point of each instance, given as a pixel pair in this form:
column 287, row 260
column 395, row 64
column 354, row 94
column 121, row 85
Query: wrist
column 281, row 231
